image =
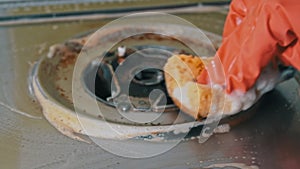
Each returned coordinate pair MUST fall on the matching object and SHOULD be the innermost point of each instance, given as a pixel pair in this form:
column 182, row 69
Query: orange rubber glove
column 256, row 33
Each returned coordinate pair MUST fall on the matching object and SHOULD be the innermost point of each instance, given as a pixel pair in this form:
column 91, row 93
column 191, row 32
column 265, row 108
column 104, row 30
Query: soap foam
column 265, row 83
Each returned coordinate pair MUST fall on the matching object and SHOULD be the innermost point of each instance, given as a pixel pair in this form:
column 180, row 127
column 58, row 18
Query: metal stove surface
column 268, row 140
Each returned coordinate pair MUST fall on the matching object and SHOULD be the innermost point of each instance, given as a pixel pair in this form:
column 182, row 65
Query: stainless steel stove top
column 269, row 139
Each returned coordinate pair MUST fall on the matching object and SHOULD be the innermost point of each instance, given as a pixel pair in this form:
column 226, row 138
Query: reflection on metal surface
column 269, row 140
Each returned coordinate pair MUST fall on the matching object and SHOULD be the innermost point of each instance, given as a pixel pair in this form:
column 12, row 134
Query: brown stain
column 60, row 89
column 68, row 59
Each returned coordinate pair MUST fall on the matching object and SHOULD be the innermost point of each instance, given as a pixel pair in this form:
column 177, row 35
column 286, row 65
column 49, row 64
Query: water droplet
column 123, row 106
column 160, row 135
column 149, row 137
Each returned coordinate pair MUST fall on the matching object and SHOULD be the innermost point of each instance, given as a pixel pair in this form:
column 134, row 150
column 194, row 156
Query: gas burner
column 106, row 89
column 108, row 85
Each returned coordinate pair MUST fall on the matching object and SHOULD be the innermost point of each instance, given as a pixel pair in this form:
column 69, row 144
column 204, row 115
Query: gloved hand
column 257, row 33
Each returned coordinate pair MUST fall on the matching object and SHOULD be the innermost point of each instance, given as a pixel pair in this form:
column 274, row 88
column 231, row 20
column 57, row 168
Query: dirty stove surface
column 268, row 139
